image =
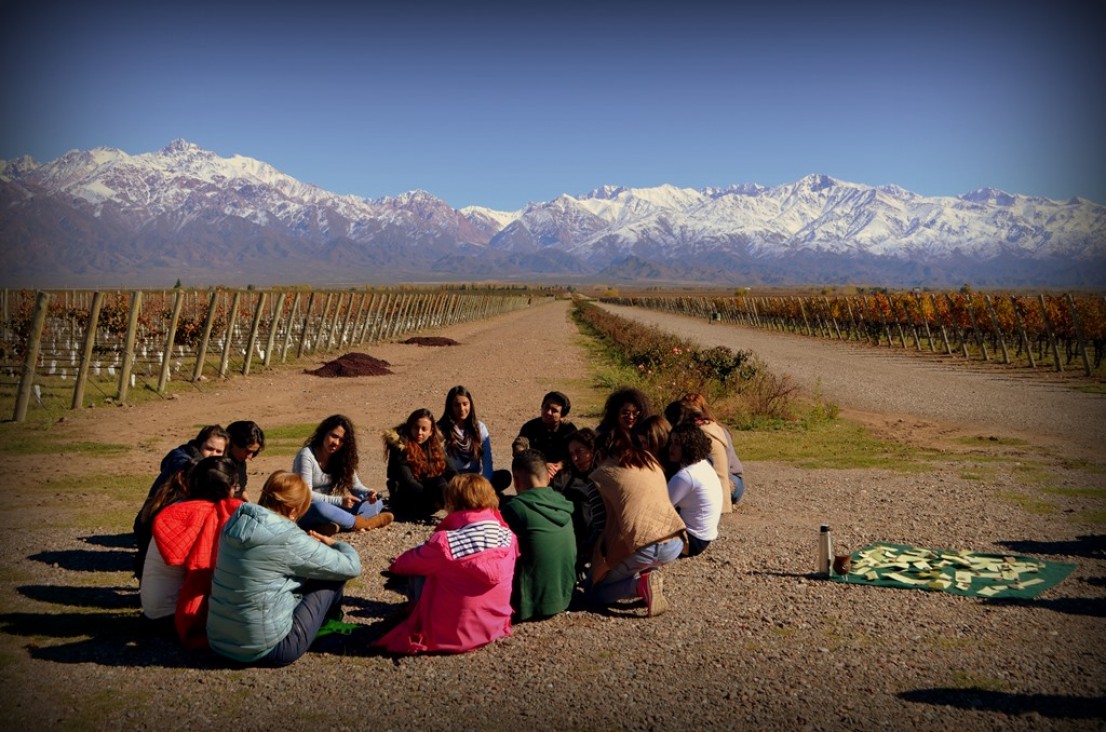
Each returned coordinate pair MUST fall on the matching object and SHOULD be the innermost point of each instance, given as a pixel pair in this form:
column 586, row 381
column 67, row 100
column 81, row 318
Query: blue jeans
column 621, row 582
column 320, row 600
column 738, row 484
column 322, row 512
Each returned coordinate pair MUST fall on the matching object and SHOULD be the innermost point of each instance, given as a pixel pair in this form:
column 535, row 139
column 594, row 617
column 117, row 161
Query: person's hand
column 553, row 469
column 349, row 502
column 372, row 496
column 328, row 540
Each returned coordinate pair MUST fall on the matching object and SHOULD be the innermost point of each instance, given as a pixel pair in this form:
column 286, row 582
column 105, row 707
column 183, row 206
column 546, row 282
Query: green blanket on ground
column 959, row 572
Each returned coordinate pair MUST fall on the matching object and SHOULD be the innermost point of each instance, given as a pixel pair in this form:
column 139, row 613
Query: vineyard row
column 111, row 340
column 1013, row 328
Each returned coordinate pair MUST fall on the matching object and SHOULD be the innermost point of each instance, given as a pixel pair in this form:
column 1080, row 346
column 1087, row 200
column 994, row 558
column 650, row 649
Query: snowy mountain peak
column 607, row 192
column 989, row 195
column 816, row 182
column 180, row 145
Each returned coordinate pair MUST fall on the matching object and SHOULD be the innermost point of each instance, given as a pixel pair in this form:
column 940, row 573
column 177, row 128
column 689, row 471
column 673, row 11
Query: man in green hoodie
column 541, row 518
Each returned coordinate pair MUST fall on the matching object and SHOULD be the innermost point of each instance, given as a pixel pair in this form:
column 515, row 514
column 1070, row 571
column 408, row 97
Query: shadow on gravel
column 1091, row 606
column 1092, row 546
column 87, row 560
column 107, row 639
column 1058, row 706
column 106, row 598
column 111, row 541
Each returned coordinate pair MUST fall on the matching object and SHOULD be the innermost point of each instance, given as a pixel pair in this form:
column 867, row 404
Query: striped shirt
column 477, row 537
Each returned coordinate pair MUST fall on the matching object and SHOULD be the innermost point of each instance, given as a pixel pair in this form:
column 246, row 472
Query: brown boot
column 328, row 529
column 379, row 521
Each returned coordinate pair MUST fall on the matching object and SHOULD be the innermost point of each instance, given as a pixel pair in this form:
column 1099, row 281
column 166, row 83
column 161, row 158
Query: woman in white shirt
column 694, row 489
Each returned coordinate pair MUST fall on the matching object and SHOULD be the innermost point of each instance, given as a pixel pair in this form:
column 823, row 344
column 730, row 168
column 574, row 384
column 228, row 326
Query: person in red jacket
column 460, row 578
column 181, row 559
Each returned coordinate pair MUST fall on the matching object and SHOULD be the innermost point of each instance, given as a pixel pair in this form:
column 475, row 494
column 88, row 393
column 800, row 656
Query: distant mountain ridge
column 105, row 217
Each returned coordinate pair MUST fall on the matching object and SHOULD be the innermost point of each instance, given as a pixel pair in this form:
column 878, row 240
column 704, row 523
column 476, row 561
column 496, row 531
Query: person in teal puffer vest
column 274, row 584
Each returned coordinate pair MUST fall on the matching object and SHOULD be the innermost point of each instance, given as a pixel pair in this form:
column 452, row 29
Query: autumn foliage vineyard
column 1054, row 331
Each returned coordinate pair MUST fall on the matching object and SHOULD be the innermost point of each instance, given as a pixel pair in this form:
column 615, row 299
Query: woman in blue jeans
column 643, row 532
column 275, row 585
column 328, row 465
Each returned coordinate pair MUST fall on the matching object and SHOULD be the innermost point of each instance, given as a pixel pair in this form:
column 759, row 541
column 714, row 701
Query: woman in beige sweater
column 643, row 530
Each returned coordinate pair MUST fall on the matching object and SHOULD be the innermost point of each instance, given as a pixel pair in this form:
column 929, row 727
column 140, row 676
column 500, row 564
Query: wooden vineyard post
column 86, row 352
column 1021, row 330
column 306, row 323
column 1079, row 335
column 167, row 354
column 852, row 320
column 998, row 331
column 378, row 316
column 274, row 324
column 956, row 328
column 925, row 322
column 338, row 326
column 979, row 340
column 372, row 299
column 944, row 333
column 321, row 344
column 288, row 327
column 228, row 335
column 205, row 336
column 128, row 345
column 356, row 327
column 251, row 340
column 34, row 347
column 1051, row 338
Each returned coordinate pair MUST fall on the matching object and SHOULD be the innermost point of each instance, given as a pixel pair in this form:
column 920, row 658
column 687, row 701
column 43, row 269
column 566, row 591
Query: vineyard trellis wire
column 1011, row 329
column 111, row 342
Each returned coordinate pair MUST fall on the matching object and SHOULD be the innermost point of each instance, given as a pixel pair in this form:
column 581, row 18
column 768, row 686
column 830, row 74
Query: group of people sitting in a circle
column 593, row 516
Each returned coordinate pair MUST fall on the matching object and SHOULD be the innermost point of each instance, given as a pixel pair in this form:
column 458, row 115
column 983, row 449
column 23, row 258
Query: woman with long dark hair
column 468, row 446
column 328, row 465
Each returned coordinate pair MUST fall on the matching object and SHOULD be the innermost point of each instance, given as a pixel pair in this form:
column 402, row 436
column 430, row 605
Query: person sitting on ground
column 588, row 516
column 247, row 440
column 211, row 441
column 651, row 435
column 468, row 445
column 541, row 518
column 276, row 585
column 328, row 465
column 417, row 469
column 460, row 578
column 171, row 491
column 737, row 470
column 694, row 489
column 547, row 433
column 181, row 559
column 643, row 531
column 622, row 412
column 682, row 411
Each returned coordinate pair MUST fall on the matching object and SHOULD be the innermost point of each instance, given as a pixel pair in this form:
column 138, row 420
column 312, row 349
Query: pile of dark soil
column 352, row 364
column 431, row 341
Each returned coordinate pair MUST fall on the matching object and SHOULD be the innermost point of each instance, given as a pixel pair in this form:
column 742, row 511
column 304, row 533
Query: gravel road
column 752, row 640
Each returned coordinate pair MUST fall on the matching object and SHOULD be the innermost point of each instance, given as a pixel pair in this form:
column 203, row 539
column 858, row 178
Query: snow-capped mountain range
column 105, row 216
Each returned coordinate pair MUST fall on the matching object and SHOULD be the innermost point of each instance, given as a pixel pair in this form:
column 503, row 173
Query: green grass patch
column 1099, row 493
column 1027, row 503
column 980, row 474
column 1093, row 388
column 1090, row 517
column 16, row 442
column 837, row 444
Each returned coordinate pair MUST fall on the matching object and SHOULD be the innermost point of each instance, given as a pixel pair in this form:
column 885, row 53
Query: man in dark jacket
column 541, row 518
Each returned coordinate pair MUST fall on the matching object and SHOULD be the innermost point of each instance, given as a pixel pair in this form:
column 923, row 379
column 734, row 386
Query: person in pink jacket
column 460, row 578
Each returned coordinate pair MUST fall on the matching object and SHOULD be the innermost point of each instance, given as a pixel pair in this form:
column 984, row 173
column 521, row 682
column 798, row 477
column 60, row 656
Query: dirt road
column 883, row 381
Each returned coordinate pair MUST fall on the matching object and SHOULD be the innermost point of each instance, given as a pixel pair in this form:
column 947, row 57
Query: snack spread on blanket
column 961, row 572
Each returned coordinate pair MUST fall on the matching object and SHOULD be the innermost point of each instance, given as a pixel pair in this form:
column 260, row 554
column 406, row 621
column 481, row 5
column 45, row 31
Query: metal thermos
column 825, row 551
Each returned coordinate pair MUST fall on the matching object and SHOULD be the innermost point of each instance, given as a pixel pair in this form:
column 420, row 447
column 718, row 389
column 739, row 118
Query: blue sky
column 498, row 105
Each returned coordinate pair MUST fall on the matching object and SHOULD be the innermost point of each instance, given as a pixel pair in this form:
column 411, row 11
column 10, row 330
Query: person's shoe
column 649, row 587
column 328, row 529
column 379, row 521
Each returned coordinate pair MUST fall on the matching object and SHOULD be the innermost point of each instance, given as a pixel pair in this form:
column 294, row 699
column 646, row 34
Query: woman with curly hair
column 328, row 465
column 624, row 410
column 694, row 489
column 417, row 468
column 468, row 446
